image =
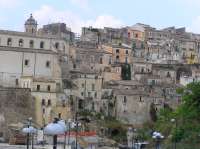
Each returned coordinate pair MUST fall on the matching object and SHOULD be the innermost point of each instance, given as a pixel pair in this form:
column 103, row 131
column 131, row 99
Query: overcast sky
column 100, row 13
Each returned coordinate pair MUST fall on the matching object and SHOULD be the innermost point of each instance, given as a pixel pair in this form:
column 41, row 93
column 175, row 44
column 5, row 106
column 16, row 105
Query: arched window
column 57, row 45
column 41, row 44
column 9, row 42
column 168, row 75
column 21, row 42
column 31, row 43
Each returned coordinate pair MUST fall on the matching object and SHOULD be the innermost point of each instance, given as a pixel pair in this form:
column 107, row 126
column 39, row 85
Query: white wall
column 185, row 80
column 12, row 66
column 49, row 43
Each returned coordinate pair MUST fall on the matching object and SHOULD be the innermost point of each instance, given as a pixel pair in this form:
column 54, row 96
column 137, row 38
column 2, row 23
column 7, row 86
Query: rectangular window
column 110, row 60
column 43, row 110
column 38, row 87
column 43, row 102
column 49, row 88
column 124, row 100
column 95, row 95
column 89, row 94
column 26, row 62
column 48, row 64
column 83, row 85
column 126, row 51
column 117, row 50
column 49, row 102
column 74, row 66
column 93, row 87
column 16, row 82
column 101, row 60
column 59, row 115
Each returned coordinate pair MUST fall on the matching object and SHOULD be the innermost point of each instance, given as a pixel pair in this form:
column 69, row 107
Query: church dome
column 31, row 21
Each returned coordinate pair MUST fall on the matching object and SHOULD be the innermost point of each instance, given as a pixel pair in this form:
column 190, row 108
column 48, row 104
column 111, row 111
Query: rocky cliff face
column 16, row 105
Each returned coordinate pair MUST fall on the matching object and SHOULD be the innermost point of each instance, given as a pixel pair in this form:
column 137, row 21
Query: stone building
column 112, row 72
column 91, row 34
column 137, row 32
column 87, row 92
column 32, row 60
column 92, row 59
column 58, row 29
column 29, row 54
column 132, row 106
column 49, row 97
column 121, row 54
column 106, row 35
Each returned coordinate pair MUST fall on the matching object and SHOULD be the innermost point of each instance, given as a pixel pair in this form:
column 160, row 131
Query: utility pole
column 76, row 129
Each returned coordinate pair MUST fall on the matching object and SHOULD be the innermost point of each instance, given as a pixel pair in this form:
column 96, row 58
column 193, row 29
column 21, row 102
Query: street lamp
column 158, row 137
column 69, row 127
column 29, row 130
column 135, row 137
column 174, row 121
column 58, row 127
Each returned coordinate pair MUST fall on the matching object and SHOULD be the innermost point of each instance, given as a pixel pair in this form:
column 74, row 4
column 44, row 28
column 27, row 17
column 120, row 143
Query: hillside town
column 107, row 79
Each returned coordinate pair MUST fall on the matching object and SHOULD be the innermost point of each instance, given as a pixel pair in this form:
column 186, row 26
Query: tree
column 153, row 112
column 187, row 118
column 133, row 45
column 126, row 72
column 142, row 45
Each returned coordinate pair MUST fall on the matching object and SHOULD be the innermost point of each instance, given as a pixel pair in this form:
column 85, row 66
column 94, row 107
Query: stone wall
column 16, row 105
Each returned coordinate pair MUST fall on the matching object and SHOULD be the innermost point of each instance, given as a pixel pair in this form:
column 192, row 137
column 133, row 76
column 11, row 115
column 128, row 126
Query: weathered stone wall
column 16, row 105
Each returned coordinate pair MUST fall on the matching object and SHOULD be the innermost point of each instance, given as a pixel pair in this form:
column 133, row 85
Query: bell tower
column 31, row 25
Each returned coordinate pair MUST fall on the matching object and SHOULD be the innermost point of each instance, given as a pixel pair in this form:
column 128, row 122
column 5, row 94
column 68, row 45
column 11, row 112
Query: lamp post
column 54, row 129
column 69, row 125
column 76, row 120
column 158, row 137
column 174, row 121
column 135, row 137
column 68, row 142
column 65, row 138
column 29, row 130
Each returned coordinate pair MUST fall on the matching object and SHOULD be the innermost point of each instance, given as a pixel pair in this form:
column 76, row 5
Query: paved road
column 6, row 146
